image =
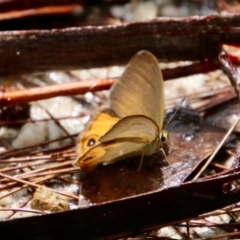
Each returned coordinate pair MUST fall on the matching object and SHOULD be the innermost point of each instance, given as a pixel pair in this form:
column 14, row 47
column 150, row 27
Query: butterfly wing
column 139, row 91
column 109, row 152
column 138, row 128
column 96, row 128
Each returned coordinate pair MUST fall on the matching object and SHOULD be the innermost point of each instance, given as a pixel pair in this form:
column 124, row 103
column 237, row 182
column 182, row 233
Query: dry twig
column 170, row 39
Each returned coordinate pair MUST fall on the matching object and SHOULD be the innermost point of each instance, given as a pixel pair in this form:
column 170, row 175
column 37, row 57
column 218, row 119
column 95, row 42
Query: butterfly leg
column 140, row 165
column 165, row 156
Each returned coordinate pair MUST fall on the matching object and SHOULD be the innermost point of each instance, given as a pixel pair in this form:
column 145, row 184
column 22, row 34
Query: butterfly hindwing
column 136, row 126
column 109, row 152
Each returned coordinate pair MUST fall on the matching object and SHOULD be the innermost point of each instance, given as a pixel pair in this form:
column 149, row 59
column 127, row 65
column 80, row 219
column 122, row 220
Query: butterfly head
column 164, row 136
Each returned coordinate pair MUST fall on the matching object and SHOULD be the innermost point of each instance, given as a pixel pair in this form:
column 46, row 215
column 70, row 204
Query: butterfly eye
column 91, row 142
column 164, row 137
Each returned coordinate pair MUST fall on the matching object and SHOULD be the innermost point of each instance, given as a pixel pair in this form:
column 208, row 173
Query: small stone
column 46, row 200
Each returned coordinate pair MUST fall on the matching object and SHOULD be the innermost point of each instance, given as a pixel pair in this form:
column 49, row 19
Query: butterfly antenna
column 168, row 123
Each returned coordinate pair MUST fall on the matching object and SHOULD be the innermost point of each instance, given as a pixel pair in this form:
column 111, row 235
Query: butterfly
column 134, row 127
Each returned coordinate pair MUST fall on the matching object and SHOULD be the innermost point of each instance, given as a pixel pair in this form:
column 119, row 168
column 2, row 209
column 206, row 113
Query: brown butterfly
column 135, row 127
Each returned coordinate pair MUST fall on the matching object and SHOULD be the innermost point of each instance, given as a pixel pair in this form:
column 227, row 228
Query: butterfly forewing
column 139, row 91
column 96, row 128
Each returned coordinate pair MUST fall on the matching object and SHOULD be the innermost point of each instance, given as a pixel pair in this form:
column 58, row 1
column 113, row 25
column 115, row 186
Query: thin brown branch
column 67, row 9
column 9, row 5
column 32, row 164
column 34, row 148
column 39, row 93
column 57, row 162
column 55, row 173
column 36, row 185
column 217, row 100
column 170, row 39
column 46, row 170
column 22, row 210
column 16, row 189
column 13, row 191
column 217, row 149
column 22, row 121
column 29, row 159
column 23, row 204
column 33, row 94
column 57, row 123
column 221, row 236
column 230, row 70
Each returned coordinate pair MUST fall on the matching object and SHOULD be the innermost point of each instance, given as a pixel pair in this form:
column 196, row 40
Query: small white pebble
column 117, row 11
column 8, row 133
column 169, row 232
column 6, row 200
column 145, row 11
column 19, row 194
column 30, row 134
